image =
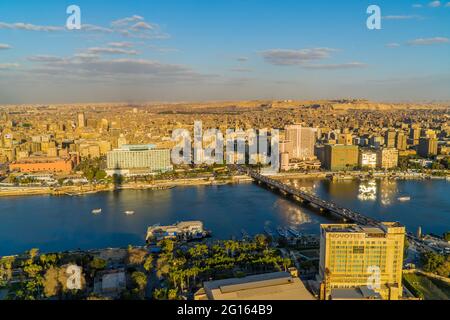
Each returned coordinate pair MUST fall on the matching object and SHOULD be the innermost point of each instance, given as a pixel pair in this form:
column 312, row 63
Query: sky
column 198, row 50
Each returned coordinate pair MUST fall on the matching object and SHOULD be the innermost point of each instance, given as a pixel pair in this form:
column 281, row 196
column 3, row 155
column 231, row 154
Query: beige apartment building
column 353, row 257
column 428, row 147
column 387, row 158
column 340, row 157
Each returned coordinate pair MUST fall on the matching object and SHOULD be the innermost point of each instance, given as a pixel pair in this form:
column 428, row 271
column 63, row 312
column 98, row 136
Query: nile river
column 66, row 223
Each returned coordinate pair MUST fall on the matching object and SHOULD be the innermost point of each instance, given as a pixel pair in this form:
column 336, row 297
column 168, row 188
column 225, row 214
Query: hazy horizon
column 186, row 51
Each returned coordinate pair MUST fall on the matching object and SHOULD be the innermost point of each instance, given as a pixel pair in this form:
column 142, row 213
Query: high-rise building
column 345, row 139
column 376, row 141
column 138, row 159
column 387, row 158
column 428, row 147
column 121, row 141
column 389, row 139
column 361, row 257
column 367, row 159
column 401, row 141
column 414, row 136
column 303, row 141
column 340, row 157
column 81, row 120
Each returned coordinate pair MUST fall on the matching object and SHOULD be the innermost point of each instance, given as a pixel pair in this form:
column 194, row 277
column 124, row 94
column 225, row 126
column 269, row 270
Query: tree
column 167, row 246
column 140, row 281
column 261, row 240
column 172, row 294
column 160, row 294
column 52, row 287
column 98, row 264
column 33, row 253
column 136, row 256
column 32, row 270
column 447, row 236
column 100, row 175
column 148, row 264
column 47, row 260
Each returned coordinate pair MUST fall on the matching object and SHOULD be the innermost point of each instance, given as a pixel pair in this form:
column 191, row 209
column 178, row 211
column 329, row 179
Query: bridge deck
column 330, row 206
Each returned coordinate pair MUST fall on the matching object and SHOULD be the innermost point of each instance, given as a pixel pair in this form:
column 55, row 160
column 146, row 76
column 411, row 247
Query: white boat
column 404, row 199
column 129, row 212
column 96, row 211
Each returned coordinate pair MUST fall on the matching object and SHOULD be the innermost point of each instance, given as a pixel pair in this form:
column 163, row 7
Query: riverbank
column 361, row 175
column 91, row 189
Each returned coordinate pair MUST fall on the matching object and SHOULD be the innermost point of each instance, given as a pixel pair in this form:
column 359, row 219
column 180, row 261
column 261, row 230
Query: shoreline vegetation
column 24, row 190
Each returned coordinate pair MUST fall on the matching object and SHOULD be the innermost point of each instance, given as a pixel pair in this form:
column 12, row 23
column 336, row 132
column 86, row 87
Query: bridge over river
column 345, row 214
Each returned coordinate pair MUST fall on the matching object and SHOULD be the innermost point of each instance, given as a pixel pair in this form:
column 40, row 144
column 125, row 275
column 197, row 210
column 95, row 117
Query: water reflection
column 293, row 215
column 389, row 191
column 368, row 190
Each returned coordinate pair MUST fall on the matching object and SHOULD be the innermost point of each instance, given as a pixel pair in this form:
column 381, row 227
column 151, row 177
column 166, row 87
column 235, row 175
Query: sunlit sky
column 179, row 50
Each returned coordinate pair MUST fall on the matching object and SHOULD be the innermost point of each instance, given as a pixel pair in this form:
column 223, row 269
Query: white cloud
column 101, row 50
column 77, row 66
column 29, row 27
column 402, row 17
column 428, row 41
column 349, row 65
column 8, row 66
column 392, row 45
column 434, row 4
column 121, row 44
column 417, row 5
column 126, row 21
column 241, row 69
column 45, row 58
column 94, row 28
column 4, row 46
column 142, row 26
column 134, row 27
column 286, row 57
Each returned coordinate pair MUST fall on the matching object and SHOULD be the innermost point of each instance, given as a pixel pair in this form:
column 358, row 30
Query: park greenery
column 93, row 169
column 436, row 263
column 184, row 269
column 175, row 271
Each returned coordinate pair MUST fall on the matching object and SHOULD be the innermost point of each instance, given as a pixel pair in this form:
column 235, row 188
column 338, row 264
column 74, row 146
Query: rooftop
column 271, row 286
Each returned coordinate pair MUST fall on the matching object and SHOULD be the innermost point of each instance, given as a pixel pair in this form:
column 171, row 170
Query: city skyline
column 233, row 50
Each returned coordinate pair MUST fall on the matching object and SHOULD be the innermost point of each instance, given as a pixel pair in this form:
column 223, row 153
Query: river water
column 66, row 223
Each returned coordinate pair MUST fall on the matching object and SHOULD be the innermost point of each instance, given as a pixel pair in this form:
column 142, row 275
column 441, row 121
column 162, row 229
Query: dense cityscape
column 76, row 150
column 230, row 158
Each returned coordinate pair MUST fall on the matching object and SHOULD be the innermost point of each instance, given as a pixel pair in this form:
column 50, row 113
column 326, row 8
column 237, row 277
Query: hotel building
column 303, row 141
column 349, row 255
column 138, row 160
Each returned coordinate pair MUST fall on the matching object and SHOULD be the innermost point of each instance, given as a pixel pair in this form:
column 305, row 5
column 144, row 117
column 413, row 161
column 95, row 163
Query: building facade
column 42, row 164
column 303, row 141
column 353, row 256
column 428, row 147
column 367, row 159
column 143, row 158
column 387, row 158
column 341, row 157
